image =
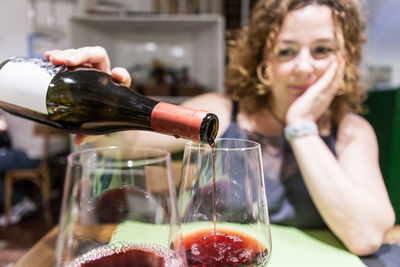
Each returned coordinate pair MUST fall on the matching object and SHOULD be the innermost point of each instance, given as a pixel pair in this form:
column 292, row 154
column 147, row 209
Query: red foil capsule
column 196, row 125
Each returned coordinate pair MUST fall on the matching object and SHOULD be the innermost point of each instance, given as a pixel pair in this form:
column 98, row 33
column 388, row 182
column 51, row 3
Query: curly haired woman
column 292, row 85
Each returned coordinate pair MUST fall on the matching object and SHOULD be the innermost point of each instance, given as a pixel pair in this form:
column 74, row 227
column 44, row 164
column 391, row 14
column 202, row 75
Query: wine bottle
column 87, row 101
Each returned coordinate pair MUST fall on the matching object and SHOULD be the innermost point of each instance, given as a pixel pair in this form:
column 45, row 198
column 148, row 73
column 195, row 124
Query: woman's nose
column 304, row 62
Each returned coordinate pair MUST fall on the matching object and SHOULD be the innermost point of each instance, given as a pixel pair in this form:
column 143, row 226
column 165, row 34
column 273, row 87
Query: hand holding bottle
column 96, row 57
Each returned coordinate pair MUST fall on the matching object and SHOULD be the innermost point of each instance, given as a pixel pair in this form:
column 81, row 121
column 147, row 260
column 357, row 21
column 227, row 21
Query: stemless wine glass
column 230, row 227
column 119, row 209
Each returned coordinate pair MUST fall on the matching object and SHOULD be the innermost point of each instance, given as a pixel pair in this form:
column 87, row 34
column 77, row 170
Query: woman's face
column 306, row 46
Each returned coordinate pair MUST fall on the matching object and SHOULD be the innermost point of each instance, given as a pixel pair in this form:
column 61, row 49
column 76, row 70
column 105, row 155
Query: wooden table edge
column 42, row 253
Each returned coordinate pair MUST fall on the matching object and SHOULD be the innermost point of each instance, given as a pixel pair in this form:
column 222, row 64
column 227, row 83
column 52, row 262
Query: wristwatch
column 300, row 128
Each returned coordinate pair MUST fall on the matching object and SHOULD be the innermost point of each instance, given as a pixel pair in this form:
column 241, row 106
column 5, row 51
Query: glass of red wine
column 119, row 208
column 223, row 206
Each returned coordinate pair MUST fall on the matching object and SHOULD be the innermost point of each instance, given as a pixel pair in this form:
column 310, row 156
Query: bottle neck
column 179, row 121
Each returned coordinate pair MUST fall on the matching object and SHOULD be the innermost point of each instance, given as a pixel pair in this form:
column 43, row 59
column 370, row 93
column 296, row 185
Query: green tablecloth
column 290, row 246
column 293, row 247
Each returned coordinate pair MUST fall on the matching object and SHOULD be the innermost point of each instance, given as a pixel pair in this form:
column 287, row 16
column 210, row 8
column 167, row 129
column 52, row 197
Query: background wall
column 17, row 20
column 383, row 33
column 14, row 28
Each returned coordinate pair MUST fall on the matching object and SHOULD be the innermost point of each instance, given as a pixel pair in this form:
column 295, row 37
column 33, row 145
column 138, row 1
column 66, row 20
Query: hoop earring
column 262, row 75
column 342, row 88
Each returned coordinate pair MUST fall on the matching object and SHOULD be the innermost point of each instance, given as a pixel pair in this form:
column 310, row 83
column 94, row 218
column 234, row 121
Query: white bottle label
column 24, row 82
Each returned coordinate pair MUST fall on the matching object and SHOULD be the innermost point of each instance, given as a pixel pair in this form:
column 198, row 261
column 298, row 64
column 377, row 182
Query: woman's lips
column 299, row 87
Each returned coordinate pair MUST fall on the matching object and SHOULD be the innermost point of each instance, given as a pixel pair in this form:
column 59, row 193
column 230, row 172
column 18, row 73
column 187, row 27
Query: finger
column 122, row 76
column 315, row 101
column 56, row 57
column 79, row 139
column 67, row 57
column 96, row 56
column 49, row 53
column 325, row 83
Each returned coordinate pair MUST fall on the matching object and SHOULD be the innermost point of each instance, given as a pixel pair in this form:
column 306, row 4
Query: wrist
column 300, row 128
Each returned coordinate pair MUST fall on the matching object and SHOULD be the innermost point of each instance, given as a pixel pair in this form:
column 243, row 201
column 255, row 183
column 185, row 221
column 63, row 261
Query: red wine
column 121, row 203
column 224, row 248
column 214, row 189
column 87, row 101
column 130, row 255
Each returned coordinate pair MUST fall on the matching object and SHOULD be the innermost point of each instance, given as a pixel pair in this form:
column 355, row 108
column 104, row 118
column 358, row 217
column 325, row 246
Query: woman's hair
column 247, row 51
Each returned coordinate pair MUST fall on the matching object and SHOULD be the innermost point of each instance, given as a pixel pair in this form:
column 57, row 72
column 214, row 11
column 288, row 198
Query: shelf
column 195, row 41
column 191, row 21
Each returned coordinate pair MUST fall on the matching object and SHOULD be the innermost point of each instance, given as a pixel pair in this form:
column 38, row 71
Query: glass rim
column 163, row 156
column 250, row 145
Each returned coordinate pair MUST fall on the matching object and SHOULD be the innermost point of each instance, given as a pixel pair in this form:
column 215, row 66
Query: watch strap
column 300, row 128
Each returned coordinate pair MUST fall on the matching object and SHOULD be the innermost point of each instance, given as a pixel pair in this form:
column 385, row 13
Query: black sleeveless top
column 289, row 202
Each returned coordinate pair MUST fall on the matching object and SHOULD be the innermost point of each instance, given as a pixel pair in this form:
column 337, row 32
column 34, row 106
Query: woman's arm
column 348, row 191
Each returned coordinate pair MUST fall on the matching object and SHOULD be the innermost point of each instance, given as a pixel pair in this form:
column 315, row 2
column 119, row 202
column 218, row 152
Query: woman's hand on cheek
column 318, row 97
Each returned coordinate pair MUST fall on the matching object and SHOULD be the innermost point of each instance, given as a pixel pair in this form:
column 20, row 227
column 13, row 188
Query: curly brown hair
column 246, row 52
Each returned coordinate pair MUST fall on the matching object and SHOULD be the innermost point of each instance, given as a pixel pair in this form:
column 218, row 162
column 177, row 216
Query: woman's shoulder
column 219, row 104
column 352, row 121
column 353, row 127
column 355, row 133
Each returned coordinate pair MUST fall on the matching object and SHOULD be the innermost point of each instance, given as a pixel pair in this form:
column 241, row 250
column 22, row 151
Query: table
column 42, row 253
column 305, row 248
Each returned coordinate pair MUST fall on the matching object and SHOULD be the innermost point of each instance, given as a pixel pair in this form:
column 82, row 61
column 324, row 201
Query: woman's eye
column 322, row 51
column 286, row 53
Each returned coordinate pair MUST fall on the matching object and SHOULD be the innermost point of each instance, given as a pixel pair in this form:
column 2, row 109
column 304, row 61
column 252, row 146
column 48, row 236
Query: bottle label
column 24, row 82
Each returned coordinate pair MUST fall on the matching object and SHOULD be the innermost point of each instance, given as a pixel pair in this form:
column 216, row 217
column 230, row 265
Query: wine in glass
column 119, row 209
column 223, row 206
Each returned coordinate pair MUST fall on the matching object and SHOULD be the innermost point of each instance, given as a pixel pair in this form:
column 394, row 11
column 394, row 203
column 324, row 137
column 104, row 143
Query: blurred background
column 152, row 36
column 175, row 49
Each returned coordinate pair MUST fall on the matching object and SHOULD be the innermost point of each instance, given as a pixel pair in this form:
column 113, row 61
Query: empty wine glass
column 119, row 209
column 230, row 227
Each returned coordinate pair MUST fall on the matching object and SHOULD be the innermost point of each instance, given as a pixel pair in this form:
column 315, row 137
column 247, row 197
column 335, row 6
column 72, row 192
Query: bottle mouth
column 209, row 128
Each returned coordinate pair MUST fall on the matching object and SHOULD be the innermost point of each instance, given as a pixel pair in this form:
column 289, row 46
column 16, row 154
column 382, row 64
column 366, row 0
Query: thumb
column 79, row 139
column 122, row 76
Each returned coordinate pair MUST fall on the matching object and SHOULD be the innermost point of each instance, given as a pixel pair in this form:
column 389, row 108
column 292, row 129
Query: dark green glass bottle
column 81, row 100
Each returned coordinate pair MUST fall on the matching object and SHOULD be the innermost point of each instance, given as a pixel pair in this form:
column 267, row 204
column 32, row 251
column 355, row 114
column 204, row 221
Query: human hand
column 95, row 57
column 318, row 97
column 3, row 124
